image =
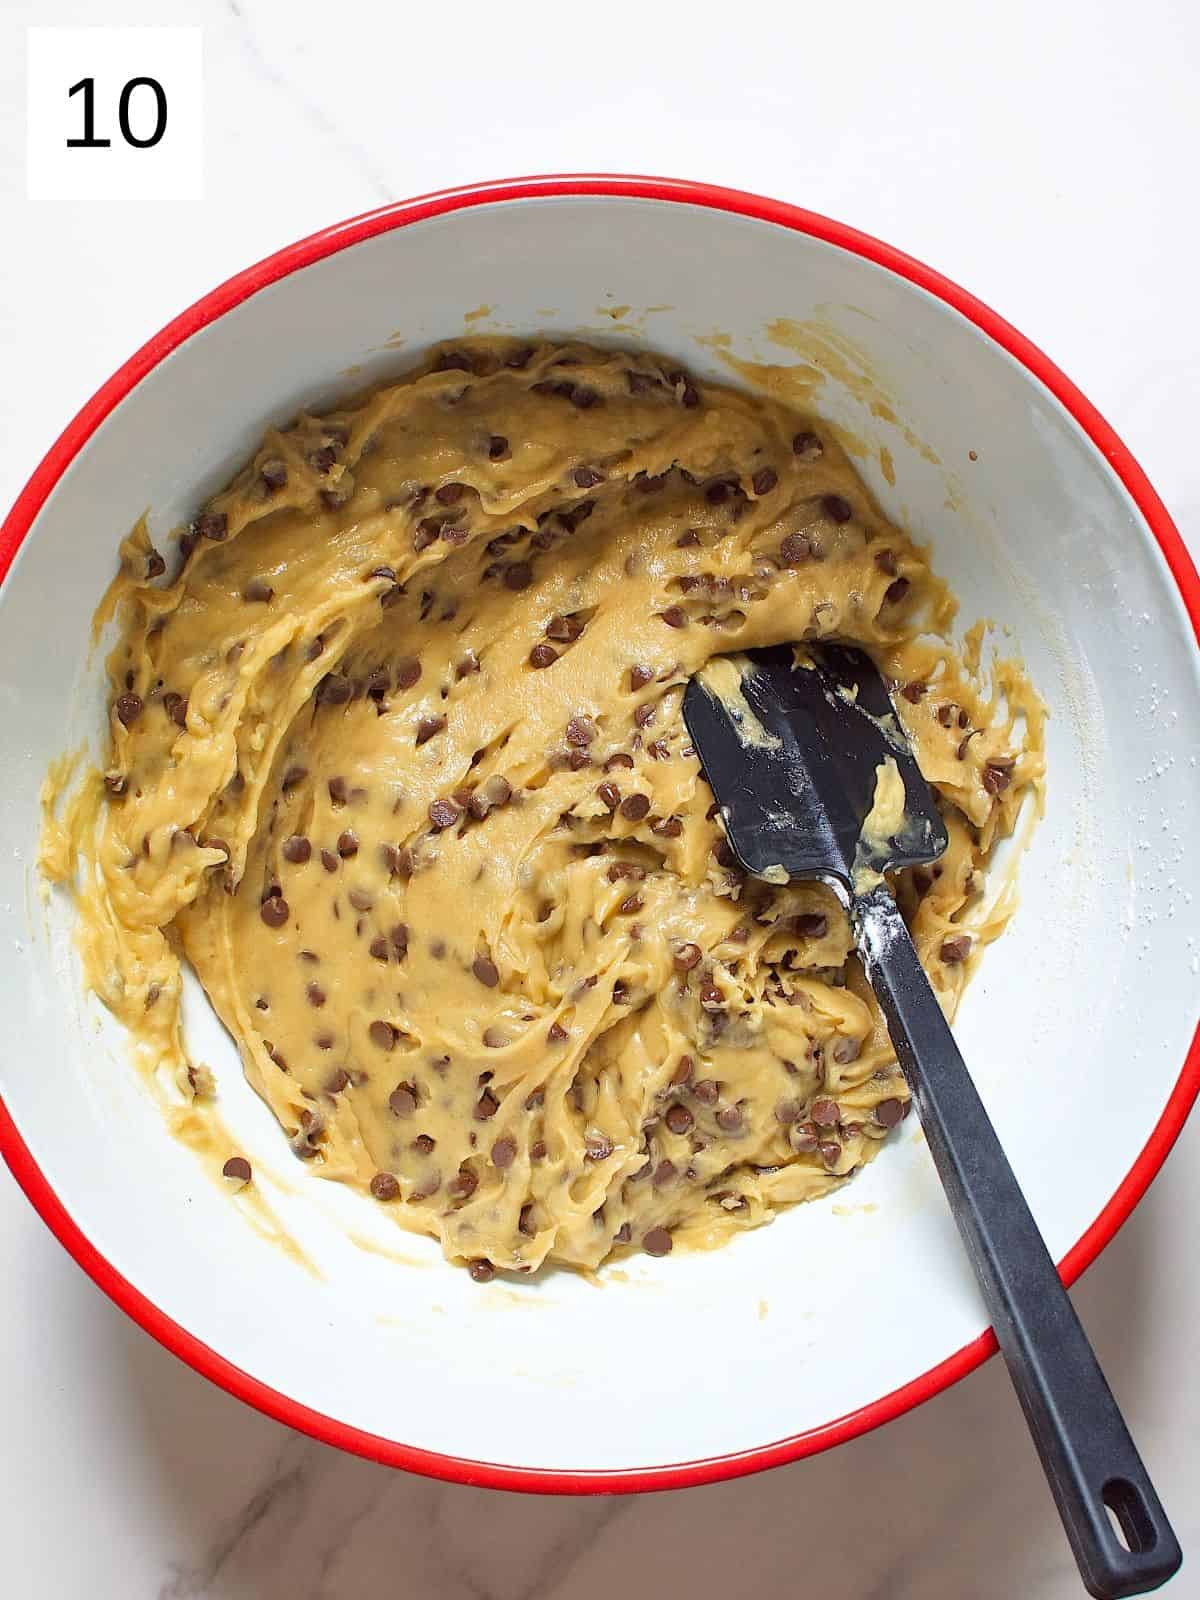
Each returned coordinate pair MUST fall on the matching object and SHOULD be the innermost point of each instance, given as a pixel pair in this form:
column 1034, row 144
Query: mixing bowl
column 1079, row 1027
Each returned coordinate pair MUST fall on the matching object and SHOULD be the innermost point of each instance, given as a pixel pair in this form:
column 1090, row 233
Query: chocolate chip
column 564, row 628
column 273, row 474
column 482, row 1271
column 630, row 905
column 634, row 807
column 889, row 1112
column 764, row 480
column 519, row 358
column 625, row 869
column 486, row 971
column 463, row 1185
column 402, row 1101
column 155, row 565
column 640, row 676
column 830, row 1152
column 795, row 550
column 579, row 513
column 597, row 1147
column 811, row 924
column 316, row 995
column 913, row 691
column 297, row 849
column 452, row 361
column 619, row 759
column 824, row 1112
column 678, row 1118
column 587, row 477
column 956, row 950
column 129, row 708
column 997, row 775
column 211, row 525
column 382, row 1034
column 425, row 533
column 408, row 671
column 674, row 617
column 542, row 655
column 497, row 447
column 427, row 727
column 807, row 446
column 518, row 576
column 347, row 844
column 610, row 794
column 258, row 591
column 504, row 1152
column 845, row 1050
column 385, row 1186
column 802, row 1136
column 467, row 664
column 291, row 777
column 786, row 1111
column 687, row 956
column 237, row 1168
column 583, row 397
column 176, row 707
column 657, row 1241
column 449, row 494
column 337, row 1081
column 886, row 562
column 837, row 509
column 443, row 813
column 556, row 1033
column 494, row 791
column 896, row 591
column 667, row 827
column 707, row 1091
column 329, row 861
column 486, row 1106
column 116, row 783
column 275, row 911
column 338, row 791
column 683, row 1071
column 424, row 1145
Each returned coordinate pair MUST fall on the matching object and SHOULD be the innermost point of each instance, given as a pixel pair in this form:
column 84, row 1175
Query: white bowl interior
column 1076, row 1027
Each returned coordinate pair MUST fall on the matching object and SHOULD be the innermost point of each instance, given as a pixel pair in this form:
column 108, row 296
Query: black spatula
column 795, row 756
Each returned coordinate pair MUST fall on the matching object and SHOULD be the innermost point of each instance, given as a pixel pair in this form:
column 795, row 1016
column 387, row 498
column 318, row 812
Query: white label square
column 115, row 114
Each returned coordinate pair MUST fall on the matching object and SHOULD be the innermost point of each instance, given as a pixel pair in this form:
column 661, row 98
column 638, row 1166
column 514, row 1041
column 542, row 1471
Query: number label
column 152, row 132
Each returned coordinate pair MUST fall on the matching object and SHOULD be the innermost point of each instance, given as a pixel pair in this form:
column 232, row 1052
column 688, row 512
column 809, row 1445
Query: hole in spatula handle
column 1129, row 1515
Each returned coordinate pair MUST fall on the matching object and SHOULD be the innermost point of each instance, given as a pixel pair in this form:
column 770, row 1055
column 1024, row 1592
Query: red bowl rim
column 315, row 248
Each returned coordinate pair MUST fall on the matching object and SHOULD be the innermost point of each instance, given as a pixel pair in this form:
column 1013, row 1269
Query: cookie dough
column 397, row 764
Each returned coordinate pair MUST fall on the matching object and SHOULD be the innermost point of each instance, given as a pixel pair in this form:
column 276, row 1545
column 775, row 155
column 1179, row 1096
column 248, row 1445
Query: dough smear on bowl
column 397, row 763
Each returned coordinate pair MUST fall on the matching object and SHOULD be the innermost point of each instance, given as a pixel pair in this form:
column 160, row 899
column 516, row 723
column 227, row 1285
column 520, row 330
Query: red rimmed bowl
column 1080, row 1026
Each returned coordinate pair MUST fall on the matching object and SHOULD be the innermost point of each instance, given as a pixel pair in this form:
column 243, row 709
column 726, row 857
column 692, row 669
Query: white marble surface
column 1041, row 154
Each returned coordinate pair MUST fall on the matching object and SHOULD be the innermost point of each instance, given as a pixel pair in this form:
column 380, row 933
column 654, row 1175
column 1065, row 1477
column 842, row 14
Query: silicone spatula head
column 793, row 745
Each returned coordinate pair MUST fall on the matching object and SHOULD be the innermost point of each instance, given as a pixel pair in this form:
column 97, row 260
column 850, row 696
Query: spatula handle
column 1081, row 1437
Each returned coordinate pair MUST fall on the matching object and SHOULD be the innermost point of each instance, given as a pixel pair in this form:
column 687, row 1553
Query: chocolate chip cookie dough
column 397, row 763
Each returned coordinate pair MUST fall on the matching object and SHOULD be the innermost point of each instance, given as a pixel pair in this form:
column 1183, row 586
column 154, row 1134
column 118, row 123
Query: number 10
column 91, row 142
